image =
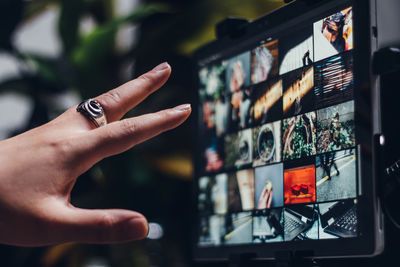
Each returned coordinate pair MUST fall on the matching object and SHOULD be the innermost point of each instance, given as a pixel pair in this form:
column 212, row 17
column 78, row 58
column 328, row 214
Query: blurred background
column 54, row 53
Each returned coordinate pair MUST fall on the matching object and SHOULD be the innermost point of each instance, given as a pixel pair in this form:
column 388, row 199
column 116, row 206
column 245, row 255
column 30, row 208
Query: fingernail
column 184, row 107
column 161, row 67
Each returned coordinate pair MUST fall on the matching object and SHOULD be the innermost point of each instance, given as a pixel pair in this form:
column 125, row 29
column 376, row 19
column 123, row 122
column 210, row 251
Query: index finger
column 120, row 100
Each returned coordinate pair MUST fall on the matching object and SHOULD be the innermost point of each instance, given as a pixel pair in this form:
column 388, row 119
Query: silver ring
column 92, row 110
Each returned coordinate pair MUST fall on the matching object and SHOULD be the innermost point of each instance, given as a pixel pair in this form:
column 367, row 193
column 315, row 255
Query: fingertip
column 162, row 67
column 138, row 228
column 181, row 112
column 183, row 107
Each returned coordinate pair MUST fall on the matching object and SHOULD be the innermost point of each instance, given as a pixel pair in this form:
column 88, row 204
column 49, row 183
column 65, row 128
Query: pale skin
column 265, row 199
column 40, row 167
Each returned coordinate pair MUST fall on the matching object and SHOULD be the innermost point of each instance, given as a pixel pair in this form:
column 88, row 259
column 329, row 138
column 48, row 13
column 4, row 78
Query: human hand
column 39, row 169
column 265, row 199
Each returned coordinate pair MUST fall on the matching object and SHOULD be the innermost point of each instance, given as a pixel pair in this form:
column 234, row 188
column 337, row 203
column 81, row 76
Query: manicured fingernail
column 184, row 107
column 161, row 67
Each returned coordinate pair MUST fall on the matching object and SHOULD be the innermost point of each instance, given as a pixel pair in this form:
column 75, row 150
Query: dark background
column 155, row 177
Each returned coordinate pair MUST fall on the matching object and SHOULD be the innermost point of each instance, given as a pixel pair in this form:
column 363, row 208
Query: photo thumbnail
column 208, row 115
column 336, row 127
column 264, row 62
column 221, row 115
column 336, row 175
column 333, row 34
column 267, row 99
column 212, row 82
column 213, row 194
column 212, row 159
column 241, row 190
column 239, row 228
column 296, row 50
column 238, row 73
column 299, row 136
column 267, row 144
column 301, row 222
column 334, row 81
column 239, row 149
column 231, row 149
column 268, row 190
column 212, row 230
column 268, row 226
column 298, row 95
column 299, row 184
column 205, row 203
column 242, row 111
column 338, row 219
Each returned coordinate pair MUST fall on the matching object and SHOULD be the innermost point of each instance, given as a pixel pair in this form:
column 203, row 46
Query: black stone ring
column 92, row 110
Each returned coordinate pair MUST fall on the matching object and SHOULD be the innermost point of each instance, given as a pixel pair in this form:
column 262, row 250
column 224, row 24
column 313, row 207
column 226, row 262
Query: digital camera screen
column 278, row 140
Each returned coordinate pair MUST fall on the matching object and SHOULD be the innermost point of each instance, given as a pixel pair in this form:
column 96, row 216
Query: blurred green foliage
column 153, row 178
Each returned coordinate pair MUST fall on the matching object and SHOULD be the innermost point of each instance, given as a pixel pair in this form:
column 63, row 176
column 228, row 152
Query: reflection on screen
column 278, row 139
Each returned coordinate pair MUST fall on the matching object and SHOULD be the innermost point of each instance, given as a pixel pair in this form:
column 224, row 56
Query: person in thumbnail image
column 336, row 31
column 236, row 100
column 307, row 61
column 336, row 127
column 296, row 50
column 237, row 77
column 269, row 186
column 336, row 176
column 208, row 115
column 236, row 82
column 327, row 162
column 212, row 156
column 334, row 34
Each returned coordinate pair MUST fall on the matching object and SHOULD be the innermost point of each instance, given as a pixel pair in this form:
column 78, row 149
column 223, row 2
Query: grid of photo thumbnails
column 278, row 139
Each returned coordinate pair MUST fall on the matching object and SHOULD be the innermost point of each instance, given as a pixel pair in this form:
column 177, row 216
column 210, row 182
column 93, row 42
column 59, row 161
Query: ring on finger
column 92, row 110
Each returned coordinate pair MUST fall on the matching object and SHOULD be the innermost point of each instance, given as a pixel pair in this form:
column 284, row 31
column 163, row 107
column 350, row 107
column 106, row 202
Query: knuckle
column 63, row 148
column 112, row 98
column 129, row 127
column 146, row 81
column 105, row 226
column 145, row 78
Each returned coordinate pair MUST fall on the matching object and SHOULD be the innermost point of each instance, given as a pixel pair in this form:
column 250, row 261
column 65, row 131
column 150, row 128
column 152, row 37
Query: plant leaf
column 68, row 24
column 100, row 43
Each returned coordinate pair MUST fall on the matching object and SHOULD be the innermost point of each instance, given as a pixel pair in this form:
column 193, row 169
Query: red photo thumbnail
column 299, row 185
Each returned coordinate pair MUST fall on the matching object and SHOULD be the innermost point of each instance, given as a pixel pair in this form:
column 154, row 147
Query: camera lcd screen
column 278, row 155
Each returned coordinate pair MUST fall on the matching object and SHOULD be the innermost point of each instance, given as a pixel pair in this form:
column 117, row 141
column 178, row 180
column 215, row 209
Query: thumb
column 104, row 226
